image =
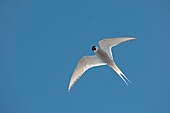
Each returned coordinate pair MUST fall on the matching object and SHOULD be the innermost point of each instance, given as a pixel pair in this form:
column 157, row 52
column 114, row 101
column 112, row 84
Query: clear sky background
column 41, row 42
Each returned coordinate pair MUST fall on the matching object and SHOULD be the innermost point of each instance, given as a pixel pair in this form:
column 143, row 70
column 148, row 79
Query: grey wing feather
column 84, row 64
column 107, row 44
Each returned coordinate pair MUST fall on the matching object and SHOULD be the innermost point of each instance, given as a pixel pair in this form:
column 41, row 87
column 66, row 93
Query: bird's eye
column 93, row 48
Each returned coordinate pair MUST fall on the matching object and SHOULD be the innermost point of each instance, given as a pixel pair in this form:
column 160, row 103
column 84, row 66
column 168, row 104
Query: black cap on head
column 93, row 48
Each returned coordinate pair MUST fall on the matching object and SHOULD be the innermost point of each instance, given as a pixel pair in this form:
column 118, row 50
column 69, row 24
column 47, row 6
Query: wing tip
column 134, row 38
column 130, row 38
column 69, row 88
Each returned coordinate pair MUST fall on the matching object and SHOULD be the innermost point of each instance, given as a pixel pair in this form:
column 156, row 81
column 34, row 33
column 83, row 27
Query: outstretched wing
column 84, row 64
column 107, row 44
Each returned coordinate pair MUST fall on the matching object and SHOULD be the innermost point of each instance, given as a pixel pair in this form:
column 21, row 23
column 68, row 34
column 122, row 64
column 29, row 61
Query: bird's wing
column 107, row 44
column 84, row 64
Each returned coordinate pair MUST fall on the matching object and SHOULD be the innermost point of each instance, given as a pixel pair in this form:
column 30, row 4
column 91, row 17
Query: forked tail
column 118, row 71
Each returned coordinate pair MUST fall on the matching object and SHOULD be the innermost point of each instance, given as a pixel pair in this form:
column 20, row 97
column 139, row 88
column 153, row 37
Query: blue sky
column 42, row 41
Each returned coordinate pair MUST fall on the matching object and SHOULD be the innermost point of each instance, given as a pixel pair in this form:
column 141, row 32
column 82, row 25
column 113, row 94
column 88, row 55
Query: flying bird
column 103, row 56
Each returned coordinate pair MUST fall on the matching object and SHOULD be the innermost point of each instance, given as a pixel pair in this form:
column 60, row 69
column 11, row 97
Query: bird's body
column 103, row 57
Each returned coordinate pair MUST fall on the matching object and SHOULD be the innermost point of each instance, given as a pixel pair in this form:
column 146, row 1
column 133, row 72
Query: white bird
column 103, row 57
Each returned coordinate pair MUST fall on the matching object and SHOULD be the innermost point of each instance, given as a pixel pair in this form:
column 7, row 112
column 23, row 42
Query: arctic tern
column 103, row 57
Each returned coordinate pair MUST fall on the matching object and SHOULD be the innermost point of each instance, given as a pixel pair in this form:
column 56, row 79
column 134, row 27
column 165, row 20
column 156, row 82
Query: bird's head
column 94, row 48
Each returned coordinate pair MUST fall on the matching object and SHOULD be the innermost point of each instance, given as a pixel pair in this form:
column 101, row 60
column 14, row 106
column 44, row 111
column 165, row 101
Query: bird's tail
column 118, row 71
